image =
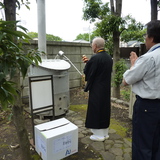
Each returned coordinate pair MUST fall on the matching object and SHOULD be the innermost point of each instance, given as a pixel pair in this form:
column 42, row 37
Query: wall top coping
column 57, row 43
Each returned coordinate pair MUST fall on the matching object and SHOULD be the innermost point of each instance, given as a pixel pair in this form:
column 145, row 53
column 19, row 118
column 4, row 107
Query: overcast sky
column 64, row 17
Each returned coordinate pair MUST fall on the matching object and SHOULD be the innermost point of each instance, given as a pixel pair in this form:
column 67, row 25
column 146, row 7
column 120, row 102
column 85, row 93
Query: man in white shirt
column 144, row 76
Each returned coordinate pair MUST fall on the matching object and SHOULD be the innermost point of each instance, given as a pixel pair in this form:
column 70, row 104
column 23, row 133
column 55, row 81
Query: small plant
column 120, row 67
column 125, row 93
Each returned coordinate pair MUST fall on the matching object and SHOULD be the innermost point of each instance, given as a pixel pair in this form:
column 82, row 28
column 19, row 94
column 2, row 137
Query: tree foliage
column 49, row 37
column 33, row 35
column 86, row 36
column 120, row 67
column 113, row 28
column 13, row 60
column 19, row 3
column 95, row 10
column 92, row 10
column 128, row 28
column 132, row 30
column 13, row 57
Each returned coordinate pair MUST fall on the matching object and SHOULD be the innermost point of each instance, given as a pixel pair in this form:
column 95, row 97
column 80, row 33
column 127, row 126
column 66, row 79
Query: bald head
column 100, row 42
column 97, row 44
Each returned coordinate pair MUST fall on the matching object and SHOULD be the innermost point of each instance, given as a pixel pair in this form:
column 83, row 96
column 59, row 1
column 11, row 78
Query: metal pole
column 73, row 65
column 41, row 13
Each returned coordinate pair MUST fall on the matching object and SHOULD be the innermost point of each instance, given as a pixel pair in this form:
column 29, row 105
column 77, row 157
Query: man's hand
column 133, row 57
column 84, row 59
column 124, row 82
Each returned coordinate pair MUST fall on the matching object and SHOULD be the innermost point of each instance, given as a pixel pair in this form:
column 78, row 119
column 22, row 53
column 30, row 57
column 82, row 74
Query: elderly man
column 98, row 76
column 144, row 76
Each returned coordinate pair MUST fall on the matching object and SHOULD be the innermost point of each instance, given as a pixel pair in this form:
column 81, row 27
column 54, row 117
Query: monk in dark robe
column 98, row 76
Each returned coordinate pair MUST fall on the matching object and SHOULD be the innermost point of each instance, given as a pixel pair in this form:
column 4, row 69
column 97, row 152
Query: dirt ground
column 118, row 112
column 10, row 150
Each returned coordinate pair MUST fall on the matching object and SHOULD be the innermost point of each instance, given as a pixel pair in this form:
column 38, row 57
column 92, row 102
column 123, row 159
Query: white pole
column 89, row 35
column 41, row 13
column 73, row 65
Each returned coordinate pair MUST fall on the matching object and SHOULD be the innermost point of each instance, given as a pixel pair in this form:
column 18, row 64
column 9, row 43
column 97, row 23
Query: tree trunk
column 116, row 58
column 116, row 52
column 10, row 10
column 10, row 14
column 116, row 92
column 118, row 7
column 154, row 10
column 19, row 121
column 112, row 6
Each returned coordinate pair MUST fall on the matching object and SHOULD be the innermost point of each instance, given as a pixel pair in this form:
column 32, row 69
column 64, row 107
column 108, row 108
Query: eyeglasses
column 144, row 35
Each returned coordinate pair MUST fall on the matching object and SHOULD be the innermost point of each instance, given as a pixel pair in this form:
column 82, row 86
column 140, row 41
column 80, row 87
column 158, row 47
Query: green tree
column 132, row 30
column 110, row 21
column 111, row 26
column 14, row 60
column 33, row 34
column 115, row 22
column 49, row 37
column 86, row 36
column 13, row 57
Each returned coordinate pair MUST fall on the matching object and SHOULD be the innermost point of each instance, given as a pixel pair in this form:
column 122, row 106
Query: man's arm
column 133, row 57
column 124, row 83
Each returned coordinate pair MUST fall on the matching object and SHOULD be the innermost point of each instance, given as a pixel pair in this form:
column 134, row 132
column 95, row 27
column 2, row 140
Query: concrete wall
column 72, row 50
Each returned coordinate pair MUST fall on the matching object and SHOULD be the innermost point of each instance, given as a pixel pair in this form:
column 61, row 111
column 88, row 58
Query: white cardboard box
column 56, row 139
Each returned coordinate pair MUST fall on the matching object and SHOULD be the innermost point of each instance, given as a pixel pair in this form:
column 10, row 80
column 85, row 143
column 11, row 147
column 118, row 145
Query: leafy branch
column 13, row 57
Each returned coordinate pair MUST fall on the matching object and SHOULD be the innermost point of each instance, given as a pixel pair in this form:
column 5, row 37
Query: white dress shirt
column 144, row 76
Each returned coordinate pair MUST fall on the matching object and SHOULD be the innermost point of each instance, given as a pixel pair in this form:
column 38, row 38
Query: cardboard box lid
column 56, row 127
column 52, row 124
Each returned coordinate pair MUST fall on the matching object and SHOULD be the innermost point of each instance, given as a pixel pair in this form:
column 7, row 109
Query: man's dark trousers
column 146, row 129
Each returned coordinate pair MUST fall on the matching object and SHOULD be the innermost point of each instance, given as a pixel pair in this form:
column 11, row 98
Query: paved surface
column 114, row 148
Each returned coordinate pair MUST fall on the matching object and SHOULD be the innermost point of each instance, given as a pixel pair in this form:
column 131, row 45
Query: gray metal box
column 59, row 70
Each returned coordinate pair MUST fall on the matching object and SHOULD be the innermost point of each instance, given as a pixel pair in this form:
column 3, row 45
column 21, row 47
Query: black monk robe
column 98, row 76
